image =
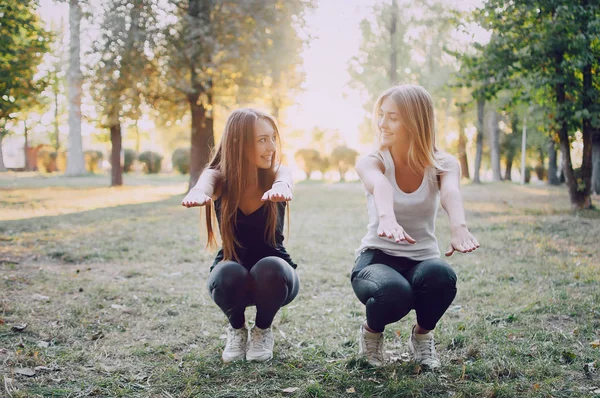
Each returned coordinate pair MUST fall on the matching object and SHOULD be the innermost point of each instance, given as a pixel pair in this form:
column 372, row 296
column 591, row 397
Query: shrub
column 152, row 162
column 129, row 156
column 343, row 158
column 92, row 160
column 181, row 160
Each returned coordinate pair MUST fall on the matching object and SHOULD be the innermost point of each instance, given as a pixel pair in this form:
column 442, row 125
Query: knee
column 270, row 270
column 227, row 276
column 370, row 285
column 437, row 274
column 398, row 295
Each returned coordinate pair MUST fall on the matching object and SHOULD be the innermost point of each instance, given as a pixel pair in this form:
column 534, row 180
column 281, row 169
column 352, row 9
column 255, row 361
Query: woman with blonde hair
column 249, row 189
column 398, row 265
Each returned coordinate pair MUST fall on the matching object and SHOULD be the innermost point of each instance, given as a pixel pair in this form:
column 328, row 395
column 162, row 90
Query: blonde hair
column 416, row 112
column 231, row 157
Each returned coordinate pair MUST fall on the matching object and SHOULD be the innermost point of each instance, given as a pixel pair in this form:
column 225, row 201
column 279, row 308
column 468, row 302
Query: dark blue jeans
column 391, row 286
column 269, row 285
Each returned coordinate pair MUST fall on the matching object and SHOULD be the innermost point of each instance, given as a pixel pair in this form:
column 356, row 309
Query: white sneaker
column 237, row 340
column 260, row 346
column 371, row 346
column 422, row 349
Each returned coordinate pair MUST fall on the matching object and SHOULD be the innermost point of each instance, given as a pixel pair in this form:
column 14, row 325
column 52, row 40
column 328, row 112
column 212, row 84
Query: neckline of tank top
column 396, row 186
column 257, row 210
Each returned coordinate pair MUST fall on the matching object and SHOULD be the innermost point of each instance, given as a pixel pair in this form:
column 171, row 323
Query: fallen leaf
column 351, row 390
column 117, row 306
column 595, row 343
column 43, row 344
column 40, row 297
column 25, row 372
column 1, row 321
column 568, row 356
column 290, row 389
column 282, row 334
column 19, row 328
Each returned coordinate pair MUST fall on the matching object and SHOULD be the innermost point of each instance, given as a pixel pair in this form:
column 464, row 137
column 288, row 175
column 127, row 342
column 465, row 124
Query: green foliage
column 390, row 39
column 181, row 160
column 152, row 162
column 23, row 42
column 46, row 159
column 343, row 158
column 92, row 160
column 309, row 160
column 230, row 52
column 129, row 156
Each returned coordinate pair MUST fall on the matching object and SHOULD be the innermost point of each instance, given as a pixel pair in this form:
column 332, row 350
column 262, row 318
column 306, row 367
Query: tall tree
column 209, row 48
column 122, row 70
column 462, row 141
column 23, row 41
column 75, row 162
column 552, row 47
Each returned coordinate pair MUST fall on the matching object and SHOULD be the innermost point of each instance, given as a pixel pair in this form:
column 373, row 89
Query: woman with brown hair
column 249, row 188
column 398, row 266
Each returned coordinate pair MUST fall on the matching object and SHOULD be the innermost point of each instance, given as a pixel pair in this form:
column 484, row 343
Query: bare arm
column 204, row 191
column 281, row 191
column 461, row 239
column 371, row 173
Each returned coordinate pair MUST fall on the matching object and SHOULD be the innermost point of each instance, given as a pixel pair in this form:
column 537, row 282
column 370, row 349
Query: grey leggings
column 391, row 286
column 269, row 285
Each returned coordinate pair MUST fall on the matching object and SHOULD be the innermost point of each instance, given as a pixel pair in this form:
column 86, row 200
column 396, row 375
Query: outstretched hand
column 462, row 241
column 389, row 228
column 279, row 192
column 195, row 197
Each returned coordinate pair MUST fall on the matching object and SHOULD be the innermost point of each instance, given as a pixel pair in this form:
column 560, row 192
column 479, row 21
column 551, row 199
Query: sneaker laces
column 427, row 349
column 260, row 338
column 235, row 339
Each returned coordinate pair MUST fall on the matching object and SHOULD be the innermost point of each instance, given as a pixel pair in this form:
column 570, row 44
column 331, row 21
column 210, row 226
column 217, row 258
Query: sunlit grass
column 128, row 313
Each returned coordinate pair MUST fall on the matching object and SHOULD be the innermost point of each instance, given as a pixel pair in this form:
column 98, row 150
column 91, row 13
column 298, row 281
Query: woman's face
column 264, row 144
column 392, row 130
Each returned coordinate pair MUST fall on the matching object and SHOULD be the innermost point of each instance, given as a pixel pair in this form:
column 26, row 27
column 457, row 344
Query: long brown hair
column 231, row 158
column 417, row 114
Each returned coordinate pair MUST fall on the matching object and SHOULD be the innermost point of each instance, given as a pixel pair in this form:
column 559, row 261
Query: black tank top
column 250, row 232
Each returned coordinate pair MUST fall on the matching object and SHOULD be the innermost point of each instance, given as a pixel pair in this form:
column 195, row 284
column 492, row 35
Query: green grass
column 128, row 313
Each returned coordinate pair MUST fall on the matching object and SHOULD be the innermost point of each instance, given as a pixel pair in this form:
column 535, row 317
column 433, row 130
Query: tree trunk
column 508, row 171
column 579, row 195
column 562, row 178
column 511, row 145
column 25, row 146
column 2, row 167
column 495, row 146
column 56, row 130
column 552, row 164
column 393, row 71
column 596, row 161
column 462, row 143
column 584, row 186
column 479, row 152
column 276, row 94
column 202, row 141
column 116, row 173
column 75, row 162
column 137, row 137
